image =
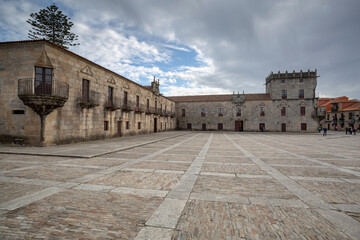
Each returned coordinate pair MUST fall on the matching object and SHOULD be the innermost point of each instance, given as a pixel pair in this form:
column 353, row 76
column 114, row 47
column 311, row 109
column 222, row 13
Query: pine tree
column 53, row 25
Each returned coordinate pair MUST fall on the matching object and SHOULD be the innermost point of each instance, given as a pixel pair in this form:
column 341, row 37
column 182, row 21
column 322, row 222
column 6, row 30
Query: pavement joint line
column 311, row 159
column 168, row 213
column 29, row 198
column 125, row 165
column 93, row 155
column 341, row 221
column 334, row 154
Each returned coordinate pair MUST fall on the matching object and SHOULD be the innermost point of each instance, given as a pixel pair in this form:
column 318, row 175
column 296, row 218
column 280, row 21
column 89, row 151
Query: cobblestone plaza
column 184, row 185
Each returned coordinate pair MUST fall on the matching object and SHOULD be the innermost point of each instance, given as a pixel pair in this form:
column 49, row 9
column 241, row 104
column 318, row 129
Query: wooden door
column 155, row 125
column 220, row 126
column 204, row 126
column 237, row 126
column 283, row 127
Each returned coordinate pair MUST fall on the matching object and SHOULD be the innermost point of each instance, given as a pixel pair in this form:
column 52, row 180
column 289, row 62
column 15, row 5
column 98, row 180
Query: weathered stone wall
column 250, row 115
column 72, row 122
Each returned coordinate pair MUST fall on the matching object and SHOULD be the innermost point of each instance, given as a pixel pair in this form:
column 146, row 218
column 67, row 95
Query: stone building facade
column 339, row 113
column 289, row 104
column 45, row 88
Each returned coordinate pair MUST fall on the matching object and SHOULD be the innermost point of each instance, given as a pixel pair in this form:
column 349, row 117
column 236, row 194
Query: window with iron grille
column 302, row 111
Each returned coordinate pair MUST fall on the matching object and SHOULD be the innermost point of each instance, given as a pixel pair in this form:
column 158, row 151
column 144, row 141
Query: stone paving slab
column 199, row 185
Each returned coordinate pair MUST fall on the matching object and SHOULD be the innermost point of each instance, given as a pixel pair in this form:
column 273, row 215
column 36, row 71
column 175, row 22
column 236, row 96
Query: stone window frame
column 284, row 94
column 283, row 111
column 302, row 111
column 220, row 112
column 183, row 112
column 127, row 125
column 106, row 125
column 139, row 125
column 301, row 93
column 262, row 111
column 203, row 112
column 238, row 112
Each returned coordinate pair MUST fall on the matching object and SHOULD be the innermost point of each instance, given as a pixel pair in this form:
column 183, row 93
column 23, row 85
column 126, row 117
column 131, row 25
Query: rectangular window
column 189, row 126
column 220, row 126
column 155, row 105
column 301, row 93
column 106, row 125
column 137, row 102
column 220, row 112
column 203, row 112
column 165, row 108
column 302, row 111
column 238, row 112
column 350, row 115
column 303, row 126
column 86, row 90
column 301, row 80
column 328, row 117
column 262, row 111
column 284, row 94
column 282, row 80
column 125, row 99
column 110, row 94
column 147, row 105
column 127, row 125
column 139, row 125
column 182, row 112
column 43, row 80
column 283, row 111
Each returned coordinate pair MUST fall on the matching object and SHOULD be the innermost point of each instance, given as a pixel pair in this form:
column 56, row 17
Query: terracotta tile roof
column 219, row 98
column 354, row 107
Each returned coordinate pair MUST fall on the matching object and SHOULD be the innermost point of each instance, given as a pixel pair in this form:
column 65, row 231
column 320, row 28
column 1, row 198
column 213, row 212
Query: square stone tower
column 295, row 85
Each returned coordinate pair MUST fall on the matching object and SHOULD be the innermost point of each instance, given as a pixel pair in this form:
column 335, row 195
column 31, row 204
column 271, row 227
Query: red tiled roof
column 353, row 107
column 220, row 98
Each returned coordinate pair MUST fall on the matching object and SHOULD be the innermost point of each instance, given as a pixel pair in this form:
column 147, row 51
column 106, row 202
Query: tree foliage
column 53, row 25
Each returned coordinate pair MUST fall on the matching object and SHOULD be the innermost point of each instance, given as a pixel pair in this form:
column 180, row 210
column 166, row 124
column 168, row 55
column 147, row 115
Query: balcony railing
column 128, row 106
column 113, row 104
column 90, row 101
column 172, row 115
column 140, row 108
column 32, row 86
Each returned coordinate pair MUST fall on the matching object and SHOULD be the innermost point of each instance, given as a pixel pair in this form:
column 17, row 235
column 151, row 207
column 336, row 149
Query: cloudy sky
column 210, row 46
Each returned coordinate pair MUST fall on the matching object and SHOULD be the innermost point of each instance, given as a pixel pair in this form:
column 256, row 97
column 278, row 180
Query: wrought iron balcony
column 150, row 110
column 90, row 101
column 43, row 96
column 128, row 106
column 36, row 93
column 113, row 104
column 172, row 115
column 140, row 108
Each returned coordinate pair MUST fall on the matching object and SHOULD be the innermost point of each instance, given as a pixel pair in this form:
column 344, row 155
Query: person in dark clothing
column 325, row 131
column 346, row 130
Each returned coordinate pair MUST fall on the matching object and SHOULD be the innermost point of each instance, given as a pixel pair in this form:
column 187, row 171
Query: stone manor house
column 51, row 95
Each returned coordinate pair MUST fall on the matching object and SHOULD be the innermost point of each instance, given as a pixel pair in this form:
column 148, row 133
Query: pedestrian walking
column 354, row 131
column 346, row 130
column 319, row 128
column 350, row 130
column 325, row 131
